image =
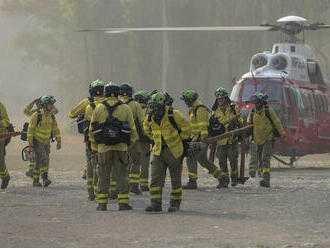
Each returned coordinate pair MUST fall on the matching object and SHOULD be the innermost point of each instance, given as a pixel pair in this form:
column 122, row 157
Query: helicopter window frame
column 286, row 96
column 307, row 104
column 297, row 99
column 325, row 104
column 319, row 103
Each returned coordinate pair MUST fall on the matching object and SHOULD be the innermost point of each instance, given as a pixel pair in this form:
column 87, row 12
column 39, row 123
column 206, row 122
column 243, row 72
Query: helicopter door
column 324, row 122
column 309, row 120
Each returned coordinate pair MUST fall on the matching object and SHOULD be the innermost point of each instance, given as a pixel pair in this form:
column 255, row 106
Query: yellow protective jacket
column 222, row 117
column 89, row 112
column 80, row 108
column 4, row 120
column 122, row 113
column 262, row 129
column 42, row 131
column 169, row 134
column 199, row 121
column 29, row 111
column 136, row 109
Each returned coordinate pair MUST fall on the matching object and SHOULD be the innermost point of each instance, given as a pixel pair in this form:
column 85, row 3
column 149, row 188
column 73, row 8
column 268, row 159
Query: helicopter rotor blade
column 165, row 29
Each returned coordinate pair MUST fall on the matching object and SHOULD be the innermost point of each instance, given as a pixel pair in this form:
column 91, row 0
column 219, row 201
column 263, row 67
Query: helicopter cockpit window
column 273, row 91
column 234, row 96
column 298, row 100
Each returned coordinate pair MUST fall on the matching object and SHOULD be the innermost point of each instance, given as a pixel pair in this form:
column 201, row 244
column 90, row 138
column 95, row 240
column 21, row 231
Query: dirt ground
column 294, row 212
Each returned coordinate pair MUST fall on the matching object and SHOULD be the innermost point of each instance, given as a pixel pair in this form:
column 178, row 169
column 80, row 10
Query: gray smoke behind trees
column 43, row 54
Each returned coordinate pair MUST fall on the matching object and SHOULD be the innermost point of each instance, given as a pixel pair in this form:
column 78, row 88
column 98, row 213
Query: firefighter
column 169, row 131
column 28, row 111
column 199, row 119
column 228, row 147
column 42, row 126
column 126, row 92
column 144, row 142
column 96, row 90
column 4, row 123
column 266, row 126
column 77, row 111
column 113, row 132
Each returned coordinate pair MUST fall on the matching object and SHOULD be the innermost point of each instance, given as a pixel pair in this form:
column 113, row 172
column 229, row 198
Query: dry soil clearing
column 294, row 212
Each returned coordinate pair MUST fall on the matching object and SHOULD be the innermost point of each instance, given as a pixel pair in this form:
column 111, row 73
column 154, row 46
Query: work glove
column 30, row 149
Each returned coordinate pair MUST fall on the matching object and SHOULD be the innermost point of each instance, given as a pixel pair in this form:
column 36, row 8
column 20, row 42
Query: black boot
column 222, row 184
column 173, row 209
column 45, row 181
column 29, row 173
column 154, row 208
column 84, row 175
column 234, row 182
column 252, row 173
column 101, row 207
column 124, row 206
column 134, row 188
column 264, row 183
column 113, row 195
column 91, row 197
column 5, row 182
column 190, row 185
column 36, row 183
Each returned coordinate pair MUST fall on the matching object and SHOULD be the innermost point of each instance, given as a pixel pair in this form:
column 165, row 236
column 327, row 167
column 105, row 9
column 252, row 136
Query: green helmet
column 158, row 100
column 111, row 89
column 189, row 94
column 221, row 92
column 259, row 98
column 96, row 88
column 141, row 96
column 47, row 99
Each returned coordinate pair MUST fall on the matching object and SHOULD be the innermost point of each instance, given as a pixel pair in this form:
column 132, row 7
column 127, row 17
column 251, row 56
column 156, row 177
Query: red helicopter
column 289, row 75
column 296, row 90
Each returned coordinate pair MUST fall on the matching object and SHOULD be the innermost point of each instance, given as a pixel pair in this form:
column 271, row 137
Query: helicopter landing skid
column 292, row 160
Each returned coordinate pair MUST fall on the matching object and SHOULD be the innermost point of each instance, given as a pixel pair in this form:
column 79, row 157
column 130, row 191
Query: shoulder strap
column 170, row 115
column 252, row 115
column 268, row 116
column 111, row 108
column 198, row 106
column 39, row 116
column 232, row 109
column 93, row 105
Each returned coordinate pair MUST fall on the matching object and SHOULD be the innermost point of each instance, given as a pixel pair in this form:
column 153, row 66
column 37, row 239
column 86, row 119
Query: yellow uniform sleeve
column 79, row 109
column 277, row 122
column 56, row 131
column 147, row 127
column 28, row 109
column 4, row 119
column 202, row 117
column 183, row 124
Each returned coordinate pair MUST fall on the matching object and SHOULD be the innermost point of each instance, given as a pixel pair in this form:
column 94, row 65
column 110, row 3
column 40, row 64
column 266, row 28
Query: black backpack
column 113, row 131
column 276, row 133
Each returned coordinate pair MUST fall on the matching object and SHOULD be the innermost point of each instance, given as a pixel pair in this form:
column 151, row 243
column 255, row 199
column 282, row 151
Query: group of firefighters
column 122, row 128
